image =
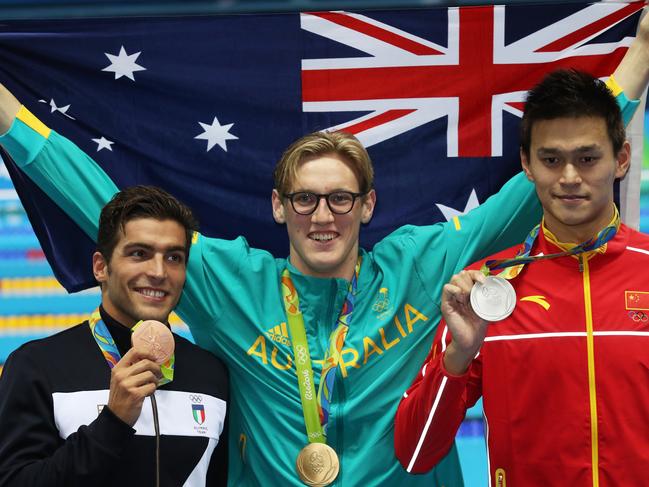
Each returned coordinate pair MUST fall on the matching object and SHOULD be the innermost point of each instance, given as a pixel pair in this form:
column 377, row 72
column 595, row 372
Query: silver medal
column 494, row 300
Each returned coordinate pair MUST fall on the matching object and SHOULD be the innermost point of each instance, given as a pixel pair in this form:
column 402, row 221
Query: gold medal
column 317, row 464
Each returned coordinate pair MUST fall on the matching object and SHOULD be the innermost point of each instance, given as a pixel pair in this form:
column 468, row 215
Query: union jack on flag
column 204, row 106
column 406, row 81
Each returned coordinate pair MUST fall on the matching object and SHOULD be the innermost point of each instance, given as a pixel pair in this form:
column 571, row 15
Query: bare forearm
column 456, row 362
column 633, row 72
column 9, row 107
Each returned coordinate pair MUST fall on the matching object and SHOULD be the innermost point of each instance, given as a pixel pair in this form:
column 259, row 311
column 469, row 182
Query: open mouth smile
column 151, row 293
column 323, row 236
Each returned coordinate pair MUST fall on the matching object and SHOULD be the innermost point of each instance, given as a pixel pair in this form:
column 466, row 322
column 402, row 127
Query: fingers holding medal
column 469, row 302
column 491, row 298
column 456, row 296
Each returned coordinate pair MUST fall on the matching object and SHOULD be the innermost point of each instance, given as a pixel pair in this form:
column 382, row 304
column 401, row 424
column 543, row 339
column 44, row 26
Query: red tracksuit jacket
column 564, row 379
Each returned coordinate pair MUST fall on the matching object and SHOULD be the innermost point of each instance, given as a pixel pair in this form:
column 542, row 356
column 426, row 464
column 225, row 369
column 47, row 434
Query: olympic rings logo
column 301, row 354
column 380, row 305
column 638, row 316
column 195, row 398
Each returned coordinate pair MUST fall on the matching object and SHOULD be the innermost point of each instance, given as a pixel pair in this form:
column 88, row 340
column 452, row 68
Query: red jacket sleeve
column 432, row 409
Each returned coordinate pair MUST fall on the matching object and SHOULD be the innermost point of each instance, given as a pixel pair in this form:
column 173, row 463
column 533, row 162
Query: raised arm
column 506, row 217
column 9, row 107
column 80, row 187
column 64, row 172
column 633, row 72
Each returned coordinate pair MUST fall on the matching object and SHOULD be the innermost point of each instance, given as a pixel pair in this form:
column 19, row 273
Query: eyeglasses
column 339, row 202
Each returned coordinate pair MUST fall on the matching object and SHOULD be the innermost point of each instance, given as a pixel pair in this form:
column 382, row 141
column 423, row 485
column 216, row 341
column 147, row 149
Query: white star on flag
column 123, row 64
column 54, row 108
column 449, row 213
column 216, row 134
column 103, row 143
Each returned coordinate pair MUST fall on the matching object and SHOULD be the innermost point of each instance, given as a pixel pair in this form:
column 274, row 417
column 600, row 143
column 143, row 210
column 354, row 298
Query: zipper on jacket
column 581, row 263
column 592, row 395
column 501, row 481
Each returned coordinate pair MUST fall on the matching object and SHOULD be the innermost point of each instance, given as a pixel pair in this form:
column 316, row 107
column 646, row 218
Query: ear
column 99, row 267
column 278, row 208
column 623, row 160
column 525, row 164
column 369, row 202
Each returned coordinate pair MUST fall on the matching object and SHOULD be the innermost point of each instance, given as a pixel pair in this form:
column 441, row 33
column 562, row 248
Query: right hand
column 9, row 107
column 468, row 330
column 632, row 73
column 132, row 379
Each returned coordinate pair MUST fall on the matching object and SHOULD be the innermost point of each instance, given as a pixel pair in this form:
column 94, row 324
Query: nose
column 157, row 267
column 322, row 214
column 570, row 175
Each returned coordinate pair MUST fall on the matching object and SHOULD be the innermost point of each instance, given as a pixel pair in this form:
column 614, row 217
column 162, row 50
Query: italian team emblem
column 198, row 411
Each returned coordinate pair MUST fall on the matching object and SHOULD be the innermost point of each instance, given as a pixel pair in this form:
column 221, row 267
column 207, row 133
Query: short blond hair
column 317, row 144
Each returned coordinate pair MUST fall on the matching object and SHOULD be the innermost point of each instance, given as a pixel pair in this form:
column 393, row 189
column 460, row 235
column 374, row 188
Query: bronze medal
column 317, row 464
column 154, row 337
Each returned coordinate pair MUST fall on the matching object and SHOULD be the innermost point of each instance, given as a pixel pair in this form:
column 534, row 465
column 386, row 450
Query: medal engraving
column 317, row 465
column 156, row 338
column 494, row 300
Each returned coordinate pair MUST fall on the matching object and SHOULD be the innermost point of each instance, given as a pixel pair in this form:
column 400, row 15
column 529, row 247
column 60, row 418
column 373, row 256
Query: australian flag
column 203, row 106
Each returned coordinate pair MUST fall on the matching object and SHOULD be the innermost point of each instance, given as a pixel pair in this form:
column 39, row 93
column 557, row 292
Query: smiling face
column 146, row 272
column 573, row 167
column 324, row 244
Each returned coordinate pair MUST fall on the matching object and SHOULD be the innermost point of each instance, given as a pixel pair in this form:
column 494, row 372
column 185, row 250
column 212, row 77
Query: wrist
column 124, row 414
column 457, row 361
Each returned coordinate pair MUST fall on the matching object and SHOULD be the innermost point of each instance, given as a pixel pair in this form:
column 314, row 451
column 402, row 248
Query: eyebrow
column 337, row 190
column 578, row 150
column 141, row 245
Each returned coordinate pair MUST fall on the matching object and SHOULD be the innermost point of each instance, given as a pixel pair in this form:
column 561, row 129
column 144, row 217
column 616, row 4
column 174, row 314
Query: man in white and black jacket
column 71, row 417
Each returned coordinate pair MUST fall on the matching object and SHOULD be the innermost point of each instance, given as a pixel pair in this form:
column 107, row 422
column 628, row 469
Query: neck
column 344, row 270
column 116, row 315
column 566, row 233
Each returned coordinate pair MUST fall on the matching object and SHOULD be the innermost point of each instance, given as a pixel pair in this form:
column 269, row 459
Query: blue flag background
column 145, row 88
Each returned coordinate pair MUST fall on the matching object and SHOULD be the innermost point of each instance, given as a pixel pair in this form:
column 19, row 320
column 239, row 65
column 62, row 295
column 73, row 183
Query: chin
column 574, row 218
column 323, row 260
column 156, row 315
column 323, row 267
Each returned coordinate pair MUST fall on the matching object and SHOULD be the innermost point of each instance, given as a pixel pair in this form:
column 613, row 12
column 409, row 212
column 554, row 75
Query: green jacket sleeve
column 439, row 251
column 77, row 184
column 63, row 171
column 502, row 221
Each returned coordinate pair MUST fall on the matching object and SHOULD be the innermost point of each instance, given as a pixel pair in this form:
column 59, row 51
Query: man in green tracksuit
column 238, row 301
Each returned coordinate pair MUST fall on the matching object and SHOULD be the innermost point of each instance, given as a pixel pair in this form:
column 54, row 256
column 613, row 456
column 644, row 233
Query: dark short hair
column 568, row 93
column 141, row 202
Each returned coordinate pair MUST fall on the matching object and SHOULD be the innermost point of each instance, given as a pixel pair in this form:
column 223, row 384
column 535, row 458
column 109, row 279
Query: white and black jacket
column 55, row 430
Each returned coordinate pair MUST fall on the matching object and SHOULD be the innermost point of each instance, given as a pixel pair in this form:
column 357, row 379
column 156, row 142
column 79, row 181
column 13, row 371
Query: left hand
column 467, row 329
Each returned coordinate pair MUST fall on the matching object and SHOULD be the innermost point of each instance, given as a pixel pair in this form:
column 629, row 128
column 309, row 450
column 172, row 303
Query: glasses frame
column 326, row 197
